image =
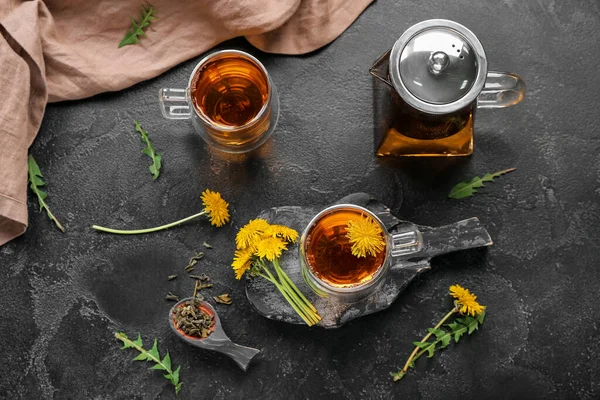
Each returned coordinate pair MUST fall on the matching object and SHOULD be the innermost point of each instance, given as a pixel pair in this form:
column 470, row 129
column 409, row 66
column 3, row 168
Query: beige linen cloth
column 67, row 49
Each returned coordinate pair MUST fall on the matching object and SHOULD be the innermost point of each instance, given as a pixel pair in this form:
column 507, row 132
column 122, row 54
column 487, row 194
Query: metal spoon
column 217, row 340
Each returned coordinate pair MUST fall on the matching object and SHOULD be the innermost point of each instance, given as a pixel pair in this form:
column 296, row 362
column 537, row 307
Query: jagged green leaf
column 466, row 189
column 430, row 350
column 152, row 355
column 137, row 29
column 123, row 337
column 42, row 196
column 421, row 345
column 445, row 340
column 34, row 167
column 473, row 327
column 138, row 341
column 35, row 182
column 154, row 351
column 454, row 326
column 437, row 332
column 149, row 151
column 458, row 334
column 167, row 361
column 175, row 376
column 480, row 317
column 141, row 357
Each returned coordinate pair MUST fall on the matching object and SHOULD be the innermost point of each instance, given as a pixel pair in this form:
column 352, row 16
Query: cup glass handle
column 174, row 103
column 406, row 243
column 501, row 90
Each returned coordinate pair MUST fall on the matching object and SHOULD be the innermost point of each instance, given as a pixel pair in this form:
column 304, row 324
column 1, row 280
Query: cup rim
column 352, row 289
column 214, row 124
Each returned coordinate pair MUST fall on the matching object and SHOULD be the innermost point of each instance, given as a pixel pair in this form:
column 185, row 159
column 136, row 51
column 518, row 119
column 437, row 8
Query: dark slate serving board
column 269, row 302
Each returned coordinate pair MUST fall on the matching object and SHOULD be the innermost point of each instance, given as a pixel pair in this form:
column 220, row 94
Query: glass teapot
column 436, row 76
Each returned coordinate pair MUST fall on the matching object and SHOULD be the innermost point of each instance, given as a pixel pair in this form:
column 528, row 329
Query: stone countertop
column 63, row 296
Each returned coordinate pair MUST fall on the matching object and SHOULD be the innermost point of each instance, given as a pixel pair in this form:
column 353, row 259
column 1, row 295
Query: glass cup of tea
column 331, row 270
column 231, row 100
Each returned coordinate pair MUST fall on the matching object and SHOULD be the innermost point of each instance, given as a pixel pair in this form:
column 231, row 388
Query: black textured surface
column 64, row 295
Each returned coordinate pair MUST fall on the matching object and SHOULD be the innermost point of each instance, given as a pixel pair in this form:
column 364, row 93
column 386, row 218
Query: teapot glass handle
column 501, row 90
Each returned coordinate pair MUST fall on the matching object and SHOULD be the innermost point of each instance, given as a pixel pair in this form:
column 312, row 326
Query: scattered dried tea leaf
column 172, row 297
column 223, row 299
column 205, row 286
column 202, row 277
column 171, row 277
column 197, row 288
column 195, row 258
column 208, row 246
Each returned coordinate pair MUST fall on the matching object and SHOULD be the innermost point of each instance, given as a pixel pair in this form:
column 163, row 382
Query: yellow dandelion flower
column 251, row 233
column 366, row 236
column 282, row 231
column 466, row 300
column 270, row 248
column 216, row 207
column 242, row 261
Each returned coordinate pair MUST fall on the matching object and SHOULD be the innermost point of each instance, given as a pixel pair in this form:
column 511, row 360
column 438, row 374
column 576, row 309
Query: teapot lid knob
column 438, row 62
column 438, row 66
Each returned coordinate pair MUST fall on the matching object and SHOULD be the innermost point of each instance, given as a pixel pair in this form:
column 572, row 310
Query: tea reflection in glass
column 231, row 100
column 230, row 90
column 231, row 93
column 329, row 252
column 331, row 270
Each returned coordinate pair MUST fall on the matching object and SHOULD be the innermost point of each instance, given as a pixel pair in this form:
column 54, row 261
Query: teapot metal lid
column 438, row 66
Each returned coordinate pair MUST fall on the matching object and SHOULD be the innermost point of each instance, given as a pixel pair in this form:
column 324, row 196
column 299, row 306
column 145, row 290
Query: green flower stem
column 307, row 310
column 286, row 285
column 272, row 279
column 298, row 306
column 156, row 229
column 267, row 278
column 285, row 291
column 294, row 287
column 413, row 356
column 296, row 295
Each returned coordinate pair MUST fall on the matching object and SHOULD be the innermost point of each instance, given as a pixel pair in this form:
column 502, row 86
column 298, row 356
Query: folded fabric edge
column 13, row 220
column 290, row 45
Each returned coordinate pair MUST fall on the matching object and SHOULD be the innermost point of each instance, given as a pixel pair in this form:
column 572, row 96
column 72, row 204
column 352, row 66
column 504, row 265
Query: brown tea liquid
column 404, row 131
column 329, row 252
column 230, row 90
column 418, row 134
